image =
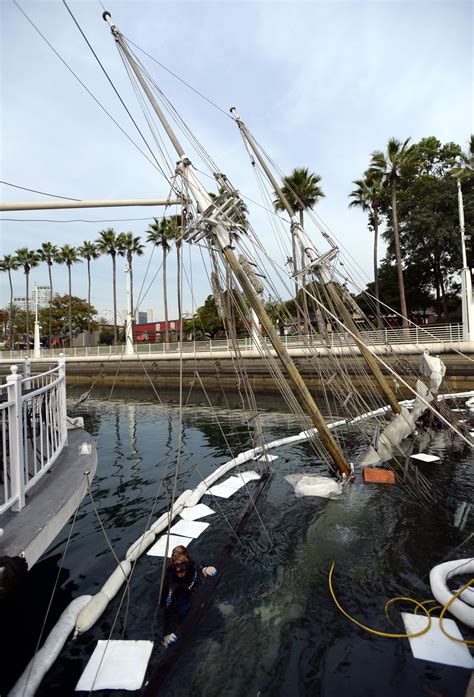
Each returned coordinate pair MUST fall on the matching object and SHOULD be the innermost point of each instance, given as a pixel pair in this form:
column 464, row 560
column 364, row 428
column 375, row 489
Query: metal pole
column 466, row 283
column 128, row 322
column 36, row 335
column 48, row 205
column 15, row 438
column 222, row 242
column 322, row 272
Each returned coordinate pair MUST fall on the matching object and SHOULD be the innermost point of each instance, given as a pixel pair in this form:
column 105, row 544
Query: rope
column 110, row 81
column 82, row 83
column 35, row 191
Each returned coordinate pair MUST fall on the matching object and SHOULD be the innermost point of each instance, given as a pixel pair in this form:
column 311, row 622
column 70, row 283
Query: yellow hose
column 445, row 608
column 376, row 631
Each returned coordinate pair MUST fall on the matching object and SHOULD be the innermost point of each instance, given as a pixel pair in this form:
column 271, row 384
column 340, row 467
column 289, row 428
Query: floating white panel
column 249, row 476
column 434, row 645
column 158, row 549
column 232, row 484
column 196, row 512
column 116, row 665
column 189, row 528
column 424, row 457
column 267, row 458
column 223, row 491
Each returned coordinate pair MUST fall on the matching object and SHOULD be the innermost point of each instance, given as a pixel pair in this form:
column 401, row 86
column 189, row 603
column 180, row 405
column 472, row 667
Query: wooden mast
column 322, row 272
column 221, row 239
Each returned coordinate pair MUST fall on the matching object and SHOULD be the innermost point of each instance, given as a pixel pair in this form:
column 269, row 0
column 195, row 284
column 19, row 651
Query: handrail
column 34, row 424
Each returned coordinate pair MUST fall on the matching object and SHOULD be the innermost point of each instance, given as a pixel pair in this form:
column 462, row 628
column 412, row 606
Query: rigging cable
column 83, row 85
column 110, row 81
column 179, row 78
column 35, row 191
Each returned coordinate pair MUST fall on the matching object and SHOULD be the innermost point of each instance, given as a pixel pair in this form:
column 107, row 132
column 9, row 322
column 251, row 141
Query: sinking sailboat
column 362, row 380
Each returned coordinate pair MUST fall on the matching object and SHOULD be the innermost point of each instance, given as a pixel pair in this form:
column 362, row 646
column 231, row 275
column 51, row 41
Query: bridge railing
column 33, row 428
column 448, row 334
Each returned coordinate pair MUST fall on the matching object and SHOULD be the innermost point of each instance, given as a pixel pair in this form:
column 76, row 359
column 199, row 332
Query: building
column 141, row 316
column 20, row 302
column 144, row 316
column 40, row 294
column 153, row 331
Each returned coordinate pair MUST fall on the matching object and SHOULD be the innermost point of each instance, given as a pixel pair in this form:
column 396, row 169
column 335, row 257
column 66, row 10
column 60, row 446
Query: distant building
column 141, row 316
column 144, row 316
column 42, row 294
column 20, row 302
column 152, row 331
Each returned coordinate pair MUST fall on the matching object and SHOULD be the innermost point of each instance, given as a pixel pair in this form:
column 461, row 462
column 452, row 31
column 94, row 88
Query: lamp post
column 466, row 283
column 129, row 349
column 36, row 343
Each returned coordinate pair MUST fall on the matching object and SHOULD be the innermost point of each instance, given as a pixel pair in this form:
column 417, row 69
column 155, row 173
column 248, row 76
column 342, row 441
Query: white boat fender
column 30, row 679
column 97, row 604
column 438, row 581
column 141, row 545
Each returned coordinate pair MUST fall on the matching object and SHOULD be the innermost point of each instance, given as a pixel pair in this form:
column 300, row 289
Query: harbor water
column 271, row 627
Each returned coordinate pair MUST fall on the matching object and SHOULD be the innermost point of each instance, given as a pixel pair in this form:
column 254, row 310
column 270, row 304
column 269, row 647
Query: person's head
column 180, row 560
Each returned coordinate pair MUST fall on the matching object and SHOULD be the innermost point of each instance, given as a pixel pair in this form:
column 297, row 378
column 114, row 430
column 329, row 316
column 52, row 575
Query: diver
column 181, row 580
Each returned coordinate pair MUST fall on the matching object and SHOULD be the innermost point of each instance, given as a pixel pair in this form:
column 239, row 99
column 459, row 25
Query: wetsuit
column 176, row 596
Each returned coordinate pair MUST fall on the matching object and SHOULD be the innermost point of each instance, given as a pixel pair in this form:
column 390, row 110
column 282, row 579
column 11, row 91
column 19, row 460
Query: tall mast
column 319, row 266
column 221, row 239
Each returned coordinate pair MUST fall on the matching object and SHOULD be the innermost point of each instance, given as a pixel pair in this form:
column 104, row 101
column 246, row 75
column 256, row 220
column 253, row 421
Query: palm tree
column 301, row 189
column 48, row 253
column 399, row 156
column 89, row 251
column 27, row 258
column 130, row 245
column 367, row 196
column 159, row 233
column 108, row 243
column 69, row 255
column 8, row 264
column 465, row 167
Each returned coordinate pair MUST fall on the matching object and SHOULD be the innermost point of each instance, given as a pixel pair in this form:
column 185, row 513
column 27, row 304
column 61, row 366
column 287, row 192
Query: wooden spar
column 220, row 239
column 322, row 274
column 325, row 434
column 49, row 205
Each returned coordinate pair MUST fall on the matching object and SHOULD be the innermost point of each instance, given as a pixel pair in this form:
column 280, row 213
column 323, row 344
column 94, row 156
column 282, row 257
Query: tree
column 428, row 219
column 88, row 250
column 398, row 158
column 207, row 320
column 82, row 316
column 159, row 232
column 69, row 255
column 48, row 253
column 108, row 243
column 8, row 264
column 367, row 197
column 302, row 191
column 27, row 258
column 130, row 245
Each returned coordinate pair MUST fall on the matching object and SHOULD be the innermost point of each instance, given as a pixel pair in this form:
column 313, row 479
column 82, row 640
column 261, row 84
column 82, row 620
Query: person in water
column 181, row 580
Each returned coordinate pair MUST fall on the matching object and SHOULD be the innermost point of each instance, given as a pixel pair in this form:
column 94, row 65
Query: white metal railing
column 447, row 334
column 33, row 427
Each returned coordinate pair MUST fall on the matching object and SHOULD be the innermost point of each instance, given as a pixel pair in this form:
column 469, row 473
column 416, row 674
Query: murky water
column 272, row 627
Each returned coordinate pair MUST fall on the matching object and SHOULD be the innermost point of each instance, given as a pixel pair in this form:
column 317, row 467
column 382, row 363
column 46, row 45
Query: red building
column 152, row 331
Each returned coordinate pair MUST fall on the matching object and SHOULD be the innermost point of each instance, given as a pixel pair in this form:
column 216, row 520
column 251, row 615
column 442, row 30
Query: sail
column 401, row 426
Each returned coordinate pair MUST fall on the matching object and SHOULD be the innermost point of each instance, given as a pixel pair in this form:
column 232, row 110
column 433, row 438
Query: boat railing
column 447, row 334
column 33, row 426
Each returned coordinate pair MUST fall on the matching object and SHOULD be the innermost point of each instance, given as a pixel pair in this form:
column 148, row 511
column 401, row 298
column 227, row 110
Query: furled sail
column 432, row 367
column 400, row 427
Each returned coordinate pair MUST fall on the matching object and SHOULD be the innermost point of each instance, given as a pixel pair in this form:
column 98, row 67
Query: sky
column 319, row 84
